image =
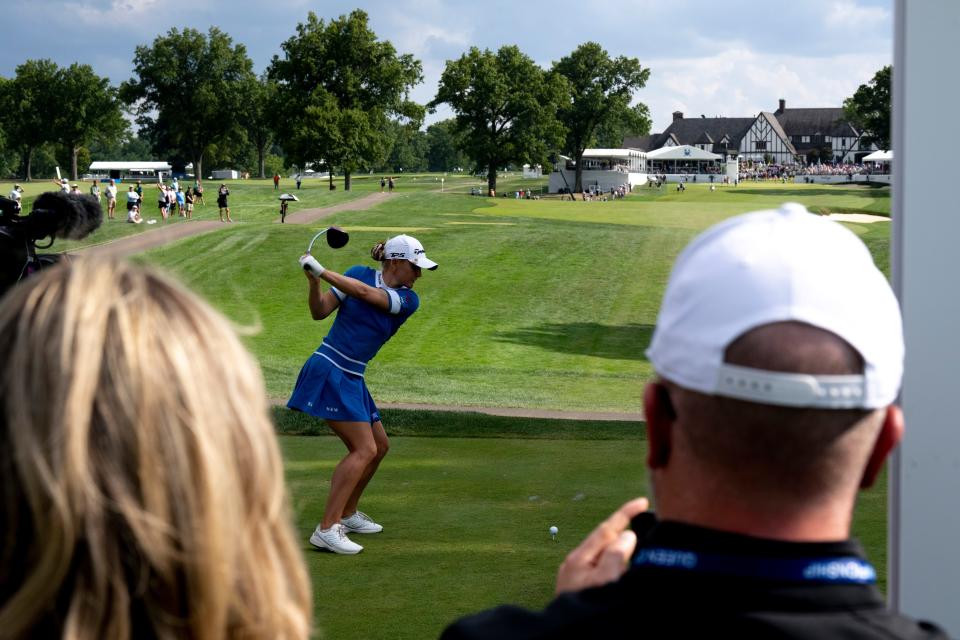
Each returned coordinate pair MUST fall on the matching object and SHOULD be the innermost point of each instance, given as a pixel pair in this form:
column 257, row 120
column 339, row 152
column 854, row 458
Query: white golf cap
column 404, row 247
column 776, row 266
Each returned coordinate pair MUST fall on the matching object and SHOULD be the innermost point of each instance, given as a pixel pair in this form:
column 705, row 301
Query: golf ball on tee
column 554, row 531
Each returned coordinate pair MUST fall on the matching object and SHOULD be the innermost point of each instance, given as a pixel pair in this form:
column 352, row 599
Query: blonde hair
column 142, row 485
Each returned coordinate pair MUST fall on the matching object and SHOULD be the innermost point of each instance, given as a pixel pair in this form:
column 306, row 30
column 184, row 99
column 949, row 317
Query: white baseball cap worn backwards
column 404, row 247
column 777, row 266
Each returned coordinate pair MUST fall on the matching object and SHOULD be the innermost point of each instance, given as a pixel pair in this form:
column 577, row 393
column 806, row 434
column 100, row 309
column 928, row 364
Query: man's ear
column 889, row 437
column 660, row 415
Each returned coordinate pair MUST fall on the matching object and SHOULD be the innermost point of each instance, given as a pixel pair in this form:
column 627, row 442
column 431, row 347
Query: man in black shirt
column 779, row 355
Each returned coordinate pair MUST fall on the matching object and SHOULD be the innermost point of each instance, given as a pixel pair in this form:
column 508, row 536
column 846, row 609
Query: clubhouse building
column 784, row 136
column 714, row 149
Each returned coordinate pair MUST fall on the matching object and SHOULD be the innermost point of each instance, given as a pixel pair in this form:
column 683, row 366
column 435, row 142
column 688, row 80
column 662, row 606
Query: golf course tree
column 443, row 148
column 338, row 86
column 188, row 92
column 601, row 89
column 869, row 109
column 408, row 150
column 7, row 156
column 258, row 117
column 29, row 111
column 505, row 108
column 635, row 121
column 88, row 108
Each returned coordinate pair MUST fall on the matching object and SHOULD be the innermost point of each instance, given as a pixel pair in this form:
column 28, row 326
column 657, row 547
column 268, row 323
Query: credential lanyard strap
column 829, row 569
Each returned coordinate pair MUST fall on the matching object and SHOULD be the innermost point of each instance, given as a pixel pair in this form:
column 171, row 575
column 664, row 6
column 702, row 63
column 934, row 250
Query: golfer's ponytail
column 377, row 251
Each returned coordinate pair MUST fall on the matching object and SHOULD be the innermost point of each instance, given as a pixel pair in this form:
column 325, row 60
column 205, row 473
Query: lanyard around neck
column 825, row 569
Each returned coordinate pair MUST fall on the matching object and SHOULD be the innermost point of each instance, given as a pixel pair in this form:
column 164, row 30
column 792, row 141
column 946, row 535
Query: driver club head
column 337, row 237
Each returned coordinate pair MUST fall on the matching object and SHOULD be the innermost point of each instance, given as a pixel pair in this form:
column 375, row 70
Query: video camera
column 54, row 215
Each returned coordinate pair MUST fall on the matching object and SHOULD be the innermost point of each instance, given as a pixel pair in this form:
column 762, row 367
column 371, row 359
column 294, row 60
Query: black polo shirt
column 750, row 592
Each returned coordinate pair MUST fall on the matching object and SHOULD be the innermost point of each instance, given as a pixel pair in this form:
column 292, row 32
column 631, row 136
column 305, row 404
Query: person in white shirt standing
column 133, row 201
column 111, row 192
column 15, row 195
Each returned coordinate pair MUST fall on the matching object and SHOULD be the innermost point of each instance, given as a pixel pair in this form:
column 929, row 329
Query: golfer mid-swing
column 371, row 307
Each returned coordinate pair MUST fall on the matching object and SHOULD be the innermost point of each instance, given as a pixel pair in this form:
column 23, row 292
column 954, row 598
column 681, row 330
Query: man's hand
column 603, row 556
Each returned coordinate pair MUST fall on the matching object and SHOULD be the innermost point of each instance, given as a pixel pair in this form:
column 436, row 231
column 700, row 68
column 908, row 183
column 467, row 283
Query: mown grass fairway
column 537, row 304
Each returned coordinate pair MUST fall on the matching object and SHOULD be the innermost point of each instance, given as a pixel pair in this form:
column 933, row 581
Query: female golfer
column 372, row 306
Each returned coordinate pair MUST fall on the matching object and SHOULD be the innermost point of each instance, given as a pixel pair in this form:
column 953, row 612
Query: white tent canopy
column 105, row 165
column 612, row 153
column 683, row 152
column 879, row 156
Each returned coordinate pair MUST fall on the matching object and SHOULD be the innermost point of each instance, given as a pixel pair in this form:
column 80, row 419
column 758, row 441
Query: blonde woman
column 131, row 509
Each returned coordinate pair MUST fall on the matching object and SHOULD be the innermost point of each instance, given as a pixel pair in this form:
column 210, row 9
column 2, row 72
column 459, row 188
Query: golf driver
column 336, row 238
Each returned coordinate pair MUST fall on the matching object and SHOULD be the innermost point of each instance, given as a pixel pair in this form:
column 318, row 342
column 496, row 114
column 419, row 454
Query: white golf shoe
column 361, row 523
column 334, row 539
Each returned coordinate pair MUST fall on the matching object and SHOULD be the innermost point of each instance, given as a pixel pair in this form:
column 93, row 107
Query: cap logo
column 418, row 251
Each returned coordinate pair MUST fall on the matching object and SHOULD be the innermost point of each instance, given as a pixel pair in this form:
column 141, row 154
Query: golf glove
column 309, row 263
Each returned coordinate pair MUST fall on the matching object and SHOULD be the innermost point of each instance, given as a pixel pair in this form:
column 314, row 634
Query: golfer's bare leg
column 383, row 445
column 361, row 451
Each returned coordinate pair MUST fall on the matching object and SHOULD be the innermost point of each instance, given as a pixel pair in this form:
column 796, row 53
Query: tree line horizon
column 337, row 98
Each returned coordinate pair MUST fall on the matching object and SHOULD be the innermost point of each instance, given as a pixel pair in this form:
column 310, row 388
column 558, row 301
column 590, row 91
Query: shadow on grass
column 617, row 342
column 455, row 424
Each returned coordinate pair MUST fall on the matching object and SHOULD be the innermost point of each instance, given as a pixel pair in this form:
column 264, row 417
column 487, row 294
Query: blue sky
column 729, row 58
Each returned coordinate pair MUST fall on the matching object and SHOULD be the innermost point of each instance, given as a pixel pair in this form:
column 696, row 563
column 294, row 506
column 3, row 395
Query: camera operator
column 54, row 215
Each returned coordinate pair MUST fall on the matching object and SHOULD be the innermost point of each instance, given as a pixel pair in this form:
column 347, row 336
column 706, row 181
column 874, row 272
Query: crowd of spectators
column 762, row 171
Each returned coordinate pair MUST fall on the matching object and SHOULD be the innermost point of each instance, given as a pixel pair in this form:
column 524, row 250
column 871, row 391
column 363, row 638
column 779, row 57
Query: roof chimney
column 783, row 105
column 678, row 115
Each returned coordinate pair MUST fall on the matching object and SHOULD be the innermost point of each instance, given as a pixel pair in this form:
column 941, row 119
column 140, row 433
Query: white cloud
column 846, row 14
column 731, row 60
column 741, row 83
column 423, row 26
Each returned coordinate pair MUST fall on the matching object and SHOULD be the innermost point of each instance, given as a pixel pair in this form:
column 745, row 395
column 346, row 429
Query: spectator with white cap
column 779, row 355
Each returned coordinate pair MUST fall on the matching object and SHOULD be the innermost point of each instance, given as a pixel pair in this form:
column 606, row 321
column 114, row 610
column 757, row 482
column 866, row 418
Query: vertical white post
column 924, row 560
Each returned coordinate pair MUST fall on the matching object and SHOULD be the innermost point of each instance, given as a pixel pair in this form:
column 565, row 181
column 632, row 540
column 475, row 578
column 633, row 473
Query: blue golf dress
column 331, row 384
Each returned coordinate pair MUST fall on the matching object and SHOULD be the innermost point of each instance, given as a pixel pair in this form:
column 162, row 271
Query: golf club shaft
column 310, row 246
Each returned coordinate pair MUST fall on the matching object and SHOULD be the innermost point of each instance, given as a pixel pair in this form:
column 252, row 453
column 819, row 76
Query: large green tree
column 258, row 118
column 869, row 109
column 189, row 92
column 408, row 152
column 601, row 89
column 635, row 122
column 88, row 109
column 29, row 111
column 5, row 152
column 505, row 107
column 443, row 147
column 338, row 88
